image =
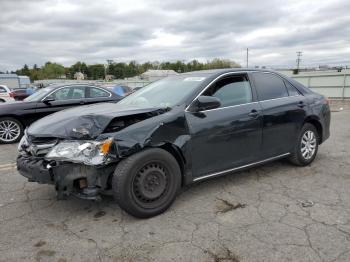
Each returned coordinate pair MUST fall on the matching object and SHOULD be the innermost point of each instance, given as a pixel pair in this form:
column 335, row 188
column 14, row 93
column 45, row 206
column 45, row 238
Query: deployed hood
column 85, row 122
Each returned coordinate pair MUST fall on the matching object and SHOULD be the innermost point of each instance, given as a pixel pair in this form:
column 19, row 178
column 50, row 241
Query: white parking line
column 9, row 166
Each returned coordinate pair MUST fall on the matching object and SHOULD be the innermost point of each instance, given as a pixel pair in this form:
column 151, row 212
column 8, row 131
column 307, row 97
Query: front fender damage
column 130, row 134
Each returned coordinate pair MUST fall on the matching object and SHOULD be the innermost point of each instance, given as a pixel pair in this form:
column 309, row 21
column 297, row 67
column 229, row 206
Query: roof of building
column 152, row 72
column 8, row 76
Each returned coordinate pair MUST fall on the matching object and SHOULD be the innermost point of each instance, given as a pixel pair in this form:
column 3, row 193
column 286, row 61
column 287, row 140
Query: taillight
column 11, row 94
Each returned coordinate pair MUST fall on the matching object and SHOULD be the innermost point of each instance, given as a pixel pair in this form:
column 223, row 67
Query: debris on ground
column 99, row 214
column 225, row 206
column 306, row 203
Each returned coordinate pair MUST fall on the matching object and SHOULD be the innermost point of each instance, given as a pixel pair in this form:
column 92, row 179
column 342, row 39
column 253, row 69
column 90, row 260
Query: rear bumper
column 83, row 181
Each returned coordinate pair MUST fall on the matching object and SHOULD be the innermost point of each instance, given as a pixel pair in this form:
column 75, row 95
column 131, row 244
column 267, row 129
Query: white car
column 5, row 94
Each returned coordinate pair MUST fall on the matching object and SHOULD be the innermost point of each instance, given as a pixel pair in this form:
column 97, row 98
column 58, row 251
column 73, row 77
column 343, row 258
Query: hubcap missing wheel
column 150, row 183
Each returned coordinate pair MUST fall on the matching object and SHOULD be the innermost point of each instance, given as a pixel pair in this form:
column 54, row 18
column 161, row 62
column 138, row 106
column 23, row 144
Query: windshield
column 168, row 92
column 38, row 95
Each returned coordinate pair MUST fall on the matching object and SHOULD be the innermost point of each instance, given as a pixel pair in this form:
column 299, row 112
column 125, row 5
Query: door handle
column 254, row 113
column 301, row 104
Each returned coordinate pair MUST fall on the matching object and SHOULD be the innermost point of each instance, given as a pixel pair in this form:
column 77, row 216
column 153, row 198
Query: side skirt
column 240, row 167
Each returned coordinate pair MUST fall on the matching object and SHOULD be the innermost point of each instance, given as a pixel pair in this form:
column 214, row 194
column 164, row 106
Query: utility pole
column 109, row 62
column 247, row 57
column 299, row 54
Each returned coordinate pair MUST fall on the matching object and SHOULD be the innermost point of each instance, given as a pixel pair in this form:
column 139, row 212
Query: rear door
column 98, row 95
column 283, row 109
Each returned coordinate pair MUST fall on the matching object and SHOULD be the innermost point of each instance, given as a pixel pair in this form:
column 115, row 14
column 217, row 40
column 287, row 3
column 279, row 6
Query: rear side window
column 291, row 89
column 269, row 86
column 233, row 90
column 96, row 92
column 2, row 90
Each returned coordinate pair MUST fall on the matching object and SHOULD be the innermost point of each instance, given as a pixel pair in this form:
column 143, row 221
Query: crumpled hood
column 84, row 122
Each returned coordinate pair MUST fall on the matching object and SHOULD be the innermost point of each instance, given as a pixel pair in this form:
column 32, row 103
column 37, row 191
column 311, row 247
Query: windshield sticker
column 194, row 79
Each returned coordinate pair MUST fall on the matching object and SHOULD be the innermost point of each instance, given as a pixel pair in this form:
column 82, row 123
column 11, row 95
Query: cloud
column 66, row 31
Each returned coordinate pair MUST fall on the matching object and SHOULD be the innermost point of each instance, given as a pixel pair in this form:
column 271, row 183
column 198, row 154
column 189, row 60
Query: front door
column 229, row 136
column 62, row 98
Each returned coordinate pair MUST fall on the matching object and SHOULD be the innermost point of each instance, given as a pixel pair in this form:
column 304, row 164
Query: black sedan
column 14, row 117
column 174, row 132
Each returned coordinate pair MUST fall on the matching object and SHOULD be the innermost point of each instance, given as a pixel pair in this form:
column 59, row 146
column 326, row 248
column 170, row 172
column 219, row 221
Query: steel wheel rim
column 9, row 130
column 308, row 144
column 150, row 185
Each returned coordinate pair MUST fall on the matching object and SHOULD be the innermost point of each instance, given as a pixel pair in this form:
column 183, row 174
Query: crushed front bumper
column 83, row 181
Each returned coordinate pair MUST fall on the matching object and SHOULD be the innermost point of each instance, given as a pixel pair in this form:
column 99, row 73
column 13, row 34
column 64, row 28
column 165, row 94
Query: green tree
column 52, row 70
column 96, row 71
column 78, row 67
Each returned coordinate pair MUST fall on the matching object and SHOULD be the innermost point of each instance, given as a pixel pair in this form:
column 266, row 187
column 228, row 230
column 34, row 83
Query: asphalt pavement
column 276, row 212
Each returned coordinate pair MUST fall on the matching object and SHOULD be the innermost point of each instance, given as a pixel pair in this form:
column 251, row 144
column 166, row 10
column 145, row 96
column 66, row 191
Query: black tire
column 18, row 124
column 297, row 157
column 146, row 183
column 2, row 101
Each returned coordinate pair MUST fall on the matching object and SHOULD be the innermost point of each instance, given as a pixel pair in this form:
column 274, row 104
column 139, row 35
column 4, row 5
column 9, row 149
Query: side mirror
column 48, row 100
column 207, row 103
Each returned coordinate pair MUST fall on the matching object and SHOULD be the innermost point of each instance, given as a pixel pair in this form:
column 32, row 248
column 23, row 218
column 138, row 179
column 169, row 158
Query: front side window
column 269, row 86
column 68, row 93
column 96, row 92
column 233, row 90
column 2, row 90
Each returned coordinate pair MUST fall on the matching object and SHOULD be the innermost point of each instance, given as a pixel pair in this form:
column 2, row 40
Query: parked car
column 120, row 90
column 174, row 132
column 19, row 94
column 5, row 94
column 14, row 117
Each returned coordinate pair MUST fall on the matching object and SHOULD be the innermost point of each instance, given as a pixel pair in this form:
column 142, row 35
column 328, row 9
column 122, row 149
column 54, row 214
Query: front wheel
column 146, row 183
column 306, row 146
column 11, row 130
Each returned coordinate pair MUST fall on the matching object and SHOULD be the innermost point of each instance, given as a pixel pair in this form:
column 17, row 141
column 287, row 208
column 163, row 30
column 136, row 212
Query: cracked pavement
column 275, row 212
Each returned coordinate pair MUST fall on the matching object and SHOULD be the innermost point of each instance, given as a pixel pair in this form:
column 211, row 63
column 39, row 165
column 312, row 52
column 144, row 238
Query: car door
column 98, row 95
column 61, row 98
column 3, row 94
column 283, row 112
column 228, row 136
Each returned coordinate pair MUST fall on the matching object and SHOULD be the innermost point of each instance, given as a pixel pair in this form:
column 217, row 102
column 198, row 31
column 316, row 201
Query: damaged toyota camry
column 174, row 132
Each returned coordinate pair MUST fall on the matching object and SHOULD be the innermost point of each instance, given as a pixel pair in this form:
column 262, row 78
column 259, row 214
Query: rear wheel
column 11, row 130
column 306, row 146
column 2, row 101
column 146, row 183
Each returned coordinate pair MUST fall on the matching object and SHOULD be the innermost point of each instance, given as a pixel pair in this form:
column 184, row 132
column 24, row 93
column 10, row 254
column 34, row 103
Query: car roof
column 226, row 70
column 214, row 73
column 71, row 84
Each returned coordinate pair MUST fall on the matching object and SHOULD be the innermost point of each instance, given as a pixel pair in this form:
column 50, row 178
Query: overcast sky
column 63, row 31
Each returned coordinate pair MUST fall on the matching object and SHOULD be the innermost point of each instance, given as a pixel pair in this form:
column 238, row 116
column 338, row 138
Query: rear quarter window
column 292, row 91
column 269, row 86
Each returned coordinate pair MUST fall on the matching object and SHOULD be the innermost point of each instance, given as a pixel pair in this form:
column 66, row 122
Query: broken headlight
column 87, row 152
